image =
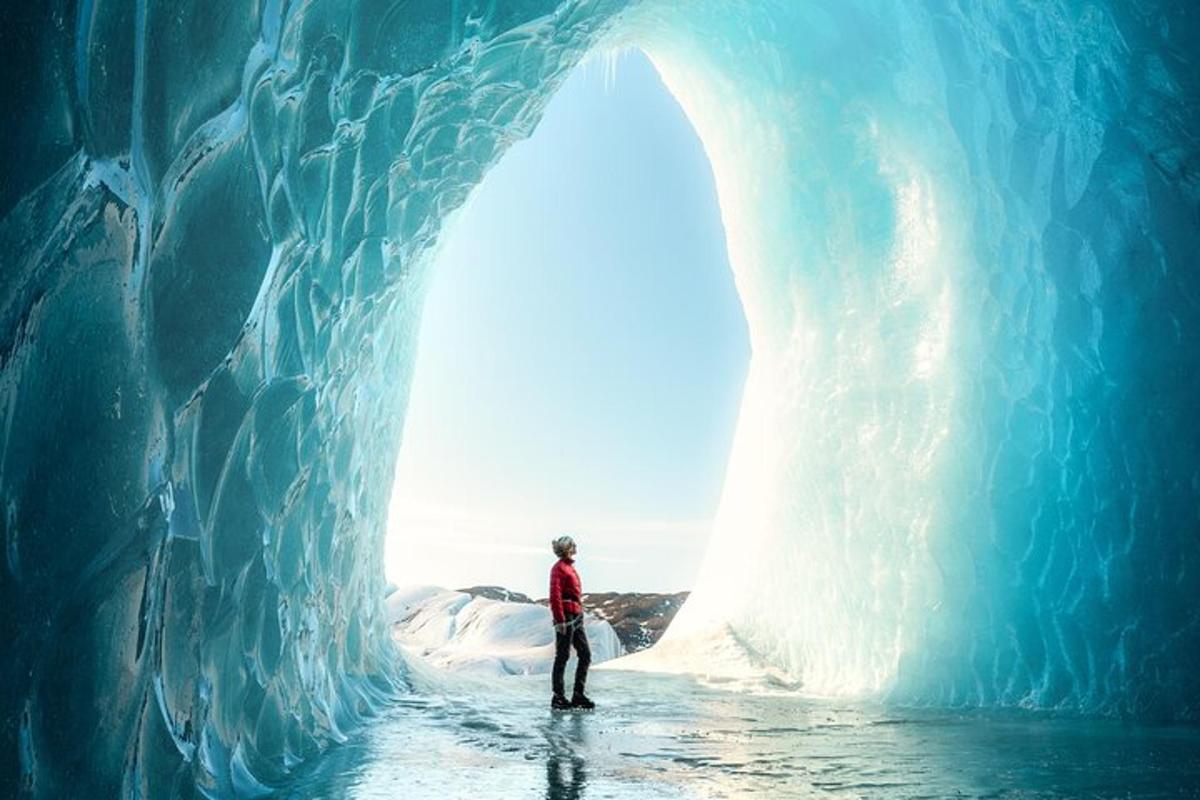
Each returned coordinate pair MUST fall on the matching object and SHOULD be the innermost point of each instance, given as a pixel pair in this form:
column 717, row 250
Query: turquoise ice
column 964, row 233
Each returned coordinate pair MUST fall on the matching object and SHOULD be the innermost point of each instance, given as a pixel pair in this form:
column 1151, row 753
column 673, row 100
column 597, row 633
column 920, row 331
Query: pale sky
column 582, row 356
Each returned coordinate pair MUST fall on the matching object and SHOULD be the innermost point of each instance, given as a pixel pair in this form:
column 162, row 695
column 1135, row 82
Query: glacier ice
column 966, row 469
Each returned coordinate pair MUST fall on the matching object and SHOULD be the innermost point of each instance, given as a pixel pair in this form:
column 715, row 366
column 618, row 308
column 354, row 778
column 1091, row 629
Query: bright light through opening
column 582, row 356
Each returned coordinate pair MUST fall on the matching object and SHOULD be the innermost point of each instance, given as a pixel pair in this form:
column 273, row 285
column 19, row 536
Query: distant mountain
column 638, row 618
column 497, row 593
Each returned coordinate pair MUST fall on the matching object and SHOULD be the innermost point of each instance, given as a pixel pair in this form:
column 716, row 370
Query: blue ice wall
column 964, row 235
column 213, row 223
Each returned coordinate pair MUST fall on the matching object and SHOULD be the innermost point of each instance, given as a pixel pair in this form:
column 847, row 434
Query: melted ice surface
column 668, row 738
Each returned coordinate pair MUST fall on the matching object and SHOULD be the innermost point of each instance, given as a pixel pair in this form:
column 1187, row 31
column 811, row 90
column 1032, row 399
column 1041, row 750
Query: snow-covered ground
column 480, row 636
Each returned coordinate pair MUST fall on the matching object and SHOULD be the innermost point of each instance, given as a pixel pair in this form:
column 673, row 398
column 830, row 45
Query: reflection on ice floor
column 660, row 736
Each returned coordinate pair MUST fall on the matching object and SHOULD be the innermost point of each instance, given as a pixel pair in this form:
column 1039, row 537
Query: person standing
column 566, row 606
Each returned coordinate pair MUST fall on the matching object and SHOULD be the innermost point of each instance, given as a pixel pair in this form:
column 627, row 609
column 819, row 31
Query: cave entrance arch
column 582, row 355
column 844, row 266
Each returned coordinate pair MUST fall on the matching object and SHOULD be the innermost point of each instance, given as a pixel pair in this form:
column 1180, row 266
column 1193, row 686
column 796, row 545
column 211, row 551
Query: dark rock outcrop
column 639, row 618
column 497, row 593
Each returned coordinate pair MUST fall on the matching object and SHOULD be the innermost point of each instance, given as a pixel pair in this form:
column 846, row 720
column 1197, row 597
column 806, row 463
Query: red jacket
column 566, row 590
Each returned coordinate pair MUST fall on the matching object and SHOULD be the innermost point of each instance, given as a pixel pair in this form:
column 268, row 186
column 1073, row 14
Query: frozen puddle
column 662, row 736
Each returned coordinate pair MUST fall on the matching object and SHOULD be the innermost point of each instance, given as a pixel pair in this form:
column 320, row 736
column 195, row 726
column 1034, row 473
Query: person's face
column 571, row 550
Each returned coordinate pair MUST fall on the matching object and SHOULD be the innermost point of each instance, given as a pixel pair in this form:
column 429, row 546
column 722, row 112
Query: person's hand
column 560, row 627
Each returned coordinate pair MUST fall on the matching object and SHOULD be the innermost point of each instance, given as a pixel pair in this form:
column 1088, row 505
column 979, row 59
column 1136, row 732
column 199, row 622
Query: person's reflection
column 566, row 776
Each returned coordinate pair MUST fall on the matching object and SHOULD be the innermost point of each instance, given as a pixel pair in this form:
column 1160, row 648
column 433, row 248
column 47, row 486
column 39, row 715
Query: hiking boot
column 559, row 702
column 580, row 700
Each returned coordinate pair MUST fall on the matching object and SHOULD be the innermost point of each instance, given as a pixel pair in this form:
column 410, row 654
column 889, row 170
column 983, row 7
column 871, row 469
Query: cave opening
column 580, row 365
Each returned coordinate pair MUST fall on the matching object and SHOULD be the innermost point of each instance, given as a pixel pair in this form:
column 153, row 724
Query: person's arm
column 556, row 606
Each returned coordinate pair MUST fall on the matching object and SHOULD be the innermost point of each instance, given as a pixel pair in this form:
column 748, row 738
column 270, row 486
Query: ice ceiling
column 966, row 470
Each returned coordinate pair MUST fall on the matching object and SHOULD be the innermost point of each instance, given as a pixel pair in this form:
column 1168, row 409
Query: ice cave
column 966, row 470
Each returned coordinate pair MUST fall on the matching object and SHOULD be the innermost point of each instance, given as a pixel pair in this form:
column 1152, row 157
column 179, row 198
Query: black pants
column 575, row 635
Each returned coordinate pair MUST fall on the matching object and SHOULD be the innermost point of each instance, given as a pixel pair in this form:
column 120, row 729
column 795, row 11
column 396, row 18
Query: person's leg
column 584, row 653
column 562, row 651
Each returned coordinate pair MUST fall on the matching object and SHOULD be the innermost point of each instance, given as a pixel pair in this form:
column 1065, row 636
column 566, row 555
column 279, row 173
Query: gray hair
column 562, row 545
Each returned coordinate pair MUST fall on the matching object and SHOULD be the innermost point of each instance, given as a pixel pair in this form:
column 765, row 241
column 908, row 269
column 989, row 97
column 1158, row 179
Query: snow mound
column 481, row 636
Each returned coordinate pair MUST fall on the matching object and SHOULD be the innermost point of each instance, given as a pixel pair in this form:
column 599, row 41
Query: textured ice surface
column 964, row 233
column 213, row 216
column 966, row 469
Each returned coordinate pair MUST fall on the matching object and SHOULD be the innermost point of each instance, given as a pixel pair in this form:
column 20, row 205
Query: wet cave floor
column 667, row 736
